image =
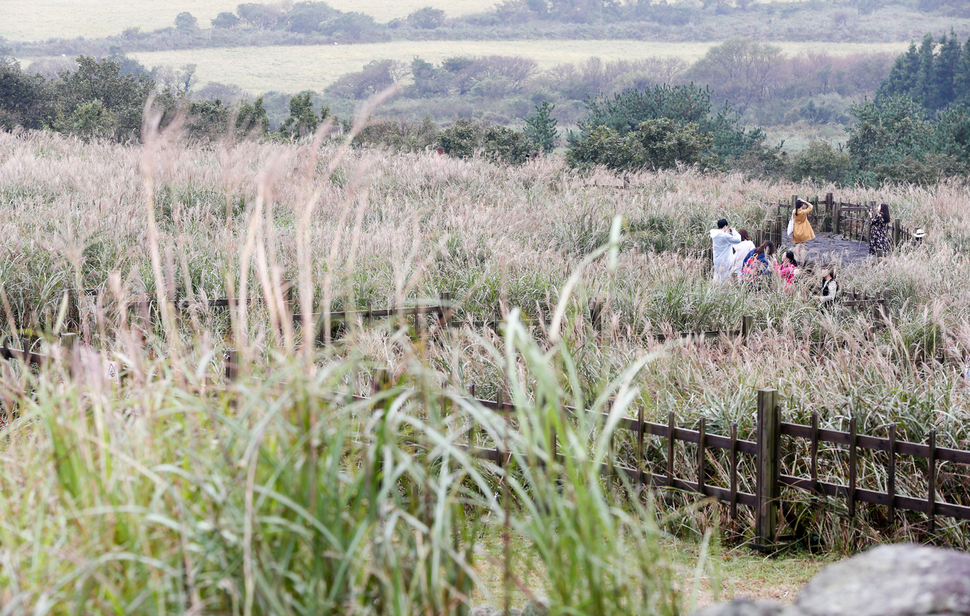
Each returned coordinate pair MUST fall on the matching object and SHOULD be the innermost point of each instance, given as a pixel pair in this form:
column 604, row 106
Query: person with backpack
column 759, row 265
column 741, row 251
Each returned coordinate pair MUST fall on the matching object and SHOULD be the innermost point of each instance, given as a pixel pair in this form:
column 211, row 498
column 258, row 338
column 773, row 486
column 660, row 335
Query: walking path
column 831, row 248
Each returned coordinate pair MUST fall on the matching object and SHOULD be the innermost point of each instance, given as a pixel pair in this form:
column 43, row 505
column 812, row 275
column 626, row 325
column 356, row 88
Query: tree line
column 100, row 100
column 766, row 87
column 892, row 138
column 936, row 74
column 316, row 23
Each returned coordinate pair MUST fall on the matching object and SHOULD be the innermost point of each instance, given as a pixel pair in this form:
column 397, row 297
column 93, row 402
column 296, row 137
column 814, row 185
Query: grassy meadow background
column 297, row 68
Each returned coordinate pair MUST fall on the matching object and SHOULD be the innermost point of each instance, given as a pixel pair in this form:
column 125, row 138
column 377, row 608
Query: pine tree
column 902, row 77
column 961, row 81
column 541, row 128
column 925, row 90
column 947, row 63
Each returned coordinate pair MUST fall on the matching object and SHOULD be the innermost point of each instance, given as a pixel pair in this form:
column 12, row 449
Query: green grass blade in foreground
column 599, row 548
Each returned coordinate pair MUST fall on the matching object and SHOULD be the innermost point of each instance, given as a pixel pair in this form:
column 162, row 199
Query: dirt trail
column 831, row 248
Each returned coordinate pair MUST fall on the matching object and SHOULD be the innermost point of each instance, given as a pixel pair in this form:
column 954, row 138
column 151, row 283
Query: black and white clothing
column 830, row 289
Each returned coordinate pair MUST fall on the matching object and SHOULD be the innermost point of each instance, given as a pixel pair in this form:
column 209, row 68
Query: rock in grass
column 742, row 607
column 891, row 580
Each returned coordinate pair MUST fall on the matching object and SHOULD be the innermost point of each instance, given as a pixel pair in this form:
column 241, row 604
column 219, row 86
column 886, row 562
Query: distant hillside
column 40, row 20
column 110, row 27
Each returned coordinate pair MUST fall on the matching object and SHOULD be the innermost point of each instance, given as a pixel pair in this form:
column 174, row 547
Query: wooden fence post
column 829, row 202
column 596, row 315
column 853, row 463
column 891, row 474
column 445, row 308
column 768, row 486
column 639, row 450
column 380, row 381
column 931, row 493
column 671, row 426
column 838, row 219
column 68, row 341
column 701, row 472
column 231, row 358
column 288, row 299
column 734, row 471
column 747, row 326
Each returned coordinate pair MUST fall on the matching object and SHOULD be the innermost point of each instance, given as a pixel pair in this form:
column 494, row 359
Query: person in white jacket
column 722, row 239
column 740, row 251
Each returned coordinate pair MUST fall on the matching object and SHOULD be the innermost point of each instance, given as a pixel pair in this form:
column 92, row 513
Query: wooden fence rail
column 445, row 314
column 841, row 218
column 767, row 452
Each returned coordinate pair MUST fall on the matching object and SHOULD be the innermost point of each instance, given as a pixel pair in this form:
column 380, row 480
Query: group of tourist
column 737, row 258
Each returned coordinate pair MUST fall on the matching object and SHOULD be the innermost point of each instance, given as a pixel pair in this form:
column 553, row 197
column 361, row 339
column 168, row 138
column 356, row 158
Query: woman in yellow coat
column 802, row 229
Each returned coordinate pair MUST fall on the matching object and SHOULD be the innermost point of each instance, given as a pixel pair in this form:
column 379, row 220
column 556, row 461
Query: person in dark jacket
column 830, row 290
column 879, row 231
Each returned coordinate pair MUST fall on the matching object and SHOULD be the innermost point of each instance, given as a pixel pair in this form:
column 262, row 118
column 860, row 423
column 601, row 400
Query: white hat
column 919, row 233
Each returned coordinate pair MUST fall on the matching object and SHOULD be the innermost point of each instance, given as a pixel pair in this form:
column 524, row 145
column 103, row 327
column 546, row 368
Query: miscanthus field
column 173, row 490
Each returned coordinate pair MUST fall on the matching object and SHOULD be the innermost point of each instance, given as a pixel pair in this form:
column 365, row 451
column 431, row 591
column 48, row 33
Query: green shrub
column 467, row 138
column 820, row 162
column 701, row 133
column 656, row 144
column 401, row 136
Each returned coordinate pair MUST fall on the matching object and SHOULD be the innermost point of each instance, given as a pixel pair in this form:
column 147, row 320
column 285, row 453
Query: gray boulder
column 891, row 580
column 742, row 607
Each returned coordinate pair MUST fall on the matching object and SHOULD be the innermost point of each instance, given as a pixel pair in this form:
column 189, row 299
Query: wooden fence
column 847, row 219
column 766, row 452
column 445, row 314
